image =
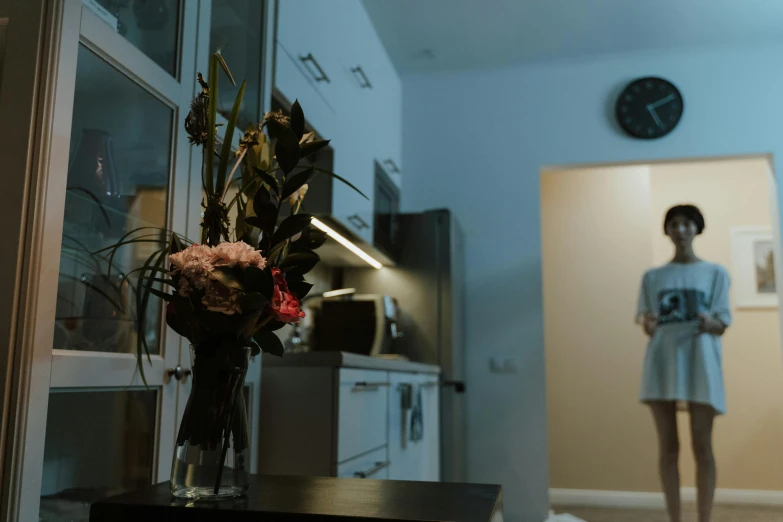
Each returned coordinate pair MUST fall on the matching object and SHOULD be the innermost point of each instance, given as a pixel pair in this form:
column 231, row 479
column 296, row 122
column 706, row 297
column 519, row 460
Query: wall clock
column 649, row 108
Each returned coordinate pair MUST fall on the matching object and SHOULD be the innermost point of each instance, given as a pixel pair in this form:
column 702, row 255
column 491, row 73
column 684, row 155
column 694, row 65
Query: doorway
column 602, row 228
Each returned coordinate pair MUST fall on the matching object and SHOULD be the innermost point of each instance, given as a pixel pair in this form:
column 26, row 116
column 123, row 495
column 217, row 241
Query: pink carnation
column 193, row 253
column 238, row 253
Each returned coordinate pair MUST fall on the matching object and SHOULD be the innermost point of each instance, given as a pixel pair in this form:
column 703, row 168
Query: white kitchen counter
column 347, row 360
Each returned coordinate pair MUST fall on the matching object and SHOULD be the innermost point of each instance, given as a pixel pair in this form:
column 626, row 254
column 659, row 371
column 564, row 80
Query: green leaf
column 301, row 262
column 224, row 65
column 209, row 150
column 340, row 178
column 269, row 342
column 252, row 302
column 247, row 325
column 269, row 179
column 311, row 147
column 228, row 140
column 300, row 288
column 163, row 295
column 312, row 239
column 176, row 244
column 254, row 349
column 287, row 149
column 291, row 226
column 297, row 120
column 296, row 181
column 266, row 211
column 228, row 277
column 257, row 280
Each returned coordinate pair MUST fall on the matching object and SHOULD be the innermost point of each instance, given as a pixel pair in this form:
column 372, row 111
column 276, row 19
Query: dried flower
column 237, row 254
column 274, row 121
column 299, row 195
column 197, row 120
column 218, row 298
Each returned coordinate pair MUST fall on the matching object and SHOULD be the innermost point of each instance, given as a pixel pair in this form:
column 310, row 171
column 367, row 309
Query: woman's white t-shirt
column 681, row 364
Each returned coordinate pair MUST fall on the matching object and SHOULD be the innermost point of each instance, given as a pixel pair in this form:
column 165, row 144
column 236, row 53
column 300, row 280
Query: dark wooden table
column 300, row 499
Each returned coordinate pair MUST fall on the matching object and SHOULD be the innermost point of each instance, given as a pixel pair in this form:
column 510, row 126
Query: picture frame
column 752, row 271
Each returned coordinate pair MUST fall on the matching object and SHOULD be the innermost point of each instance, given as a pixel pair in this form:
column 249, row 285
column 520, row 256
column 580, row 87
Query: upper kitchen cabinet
column 307, row 60
column 331, row 59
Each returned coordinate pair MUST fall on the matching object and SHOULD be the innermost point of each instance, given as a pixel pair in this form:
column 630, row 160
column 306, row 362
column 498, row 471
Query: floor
column 720, row 514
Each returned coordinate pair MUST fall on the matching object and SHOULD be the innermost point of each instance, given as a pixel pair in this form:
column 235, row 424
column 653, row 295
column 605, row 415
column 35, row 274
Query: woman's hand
column 710, row 325
column 650, row 324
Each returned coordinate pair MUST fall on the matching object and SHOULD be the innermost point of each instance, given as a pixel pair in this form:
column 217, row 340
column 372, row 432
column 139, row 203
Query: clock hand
column 661, row 102
column 658, row 121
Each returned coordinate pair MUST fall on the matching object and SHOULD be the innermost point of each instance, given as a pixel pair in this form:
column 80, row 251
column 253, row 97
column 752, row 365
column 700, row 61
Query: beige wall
column 601, row 229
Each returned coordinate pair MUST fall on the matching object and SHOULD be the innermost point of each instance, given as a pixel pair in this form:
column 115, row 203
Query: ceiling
column 437, row 35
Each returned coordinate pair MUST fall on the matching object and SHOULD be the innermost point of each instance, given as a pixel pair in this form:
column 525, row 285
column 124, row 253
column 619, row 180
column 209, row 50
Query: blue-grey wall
column 476, row 142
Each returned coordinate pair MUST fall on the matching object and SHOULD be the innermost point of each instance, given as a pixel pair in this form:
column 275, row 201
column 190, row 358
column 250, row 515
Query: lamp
column 92, row 169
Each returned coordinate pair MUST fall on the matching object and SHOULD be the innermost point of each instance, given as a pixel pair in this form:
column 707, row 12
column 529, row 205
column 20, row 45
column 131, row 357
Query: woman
column 684, row 309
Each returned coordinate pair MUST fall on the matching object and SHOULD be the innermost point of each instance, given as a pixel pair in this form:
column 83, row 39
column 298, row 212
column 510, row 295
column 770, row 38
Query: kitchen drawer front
column 362, row 400
column 374, row 465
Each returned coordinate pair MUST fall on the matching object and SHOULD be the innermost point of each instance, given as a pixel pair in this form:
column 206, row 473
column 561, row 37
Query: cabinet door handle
column 358, row 222
column 369, row 386
column 459, row 386
column 179, row 372
column 321, row 76
column 392, row 166
column 359, row 72
column 372, row 471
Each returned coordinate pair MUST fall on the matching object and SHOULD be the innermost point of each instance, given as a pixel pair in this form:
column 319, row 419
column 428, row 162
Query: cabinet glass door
column 107, row 431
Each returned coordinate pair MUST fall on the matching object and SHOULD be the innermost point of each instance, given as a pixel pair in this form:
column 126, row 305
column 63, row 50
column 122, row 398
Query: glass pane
column 236, row 32
column 98, row 444
column 117, row 182
column 150, row 25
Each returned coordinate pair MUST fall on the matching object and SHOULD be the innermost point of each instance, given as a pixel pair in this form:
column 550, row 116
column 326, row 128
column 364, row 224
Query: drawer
column 362, row 405
column 374, row 465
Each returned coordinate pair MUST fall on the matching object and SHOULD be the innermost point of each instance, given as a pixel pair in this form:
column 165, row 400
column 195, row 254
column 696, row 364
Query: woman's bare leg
column 702, row 417
column 665, row 416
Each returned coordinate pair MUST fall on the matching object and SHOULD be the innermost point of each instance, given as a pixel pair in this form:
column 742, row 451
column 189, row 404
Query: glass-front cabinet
column 126, row 76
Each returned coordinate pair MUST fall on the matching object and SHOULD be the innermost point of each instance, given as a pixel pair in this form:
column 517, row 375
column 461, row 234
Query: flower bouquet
column 244, row 280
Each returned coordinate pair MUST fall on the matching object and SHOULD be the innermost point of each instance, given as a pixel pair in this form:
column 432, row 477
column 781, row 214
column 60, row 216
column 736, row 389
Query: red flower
column 285, row 306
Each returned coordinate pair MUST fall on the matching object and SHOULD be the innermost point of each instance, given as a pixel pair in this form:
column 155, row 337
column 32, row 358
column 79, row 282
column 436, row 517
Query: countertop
column 296, row 499
column 348, row 360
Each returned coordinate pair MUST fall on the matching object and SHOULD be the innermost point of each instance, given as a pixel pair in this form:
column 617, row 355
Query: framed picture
column 753, row 268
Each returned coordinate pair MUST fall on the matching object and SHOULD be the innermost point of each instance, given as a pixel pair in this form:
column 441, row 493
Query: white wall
column 476, row 141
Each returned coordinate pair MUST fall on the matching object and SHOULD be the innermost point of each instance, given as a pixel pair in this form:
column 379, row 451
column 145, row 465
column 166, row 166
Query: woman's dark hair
column 689, row 212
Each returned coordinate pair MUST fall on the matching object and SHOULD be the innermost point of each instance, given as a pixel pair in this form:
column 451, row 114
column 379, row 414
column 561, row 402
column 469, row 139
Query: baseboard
column 641, row 499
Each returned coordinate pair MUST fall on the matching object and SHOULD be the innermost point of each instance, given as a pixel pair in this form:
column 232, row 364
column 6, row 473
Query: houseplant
column 244, row 280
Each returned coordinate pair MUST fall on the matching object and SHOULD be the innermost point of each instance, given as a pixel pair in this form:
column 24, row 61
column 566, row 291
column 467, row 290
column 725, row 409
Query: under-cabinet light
column 347, row 244
column 341, row 291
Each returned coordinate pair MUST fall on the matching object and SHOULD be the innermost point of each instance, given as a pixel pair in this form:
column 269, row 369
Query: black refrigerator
column 428, row 283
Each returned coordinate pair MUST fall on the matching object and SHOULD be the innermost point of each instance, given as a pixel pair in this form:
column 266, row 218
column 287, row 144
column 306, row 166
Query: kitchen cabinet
column 331, row 59
column 414, row 427
column 111, row 89
column 337, row 414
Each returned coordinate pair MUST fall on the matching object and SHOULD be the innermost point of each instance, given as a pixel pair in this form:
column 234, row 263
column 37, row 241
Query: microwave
column 386, row 210
column 362, row 324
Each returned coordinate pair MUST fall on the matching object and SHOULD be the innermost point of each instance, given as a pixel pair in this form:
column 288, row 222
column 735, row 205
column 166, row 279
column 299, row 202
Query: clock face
column 649, row 108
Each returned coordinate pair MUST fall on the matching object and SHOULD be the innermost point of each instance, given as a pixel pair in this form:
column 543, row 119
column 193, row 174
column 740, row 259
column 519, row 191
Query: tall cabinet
column 104, row 154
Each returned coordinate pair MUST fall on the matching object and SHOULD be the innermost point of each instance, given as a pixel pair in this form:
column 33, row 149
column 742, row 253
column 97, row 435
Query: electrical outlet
column 502, row 365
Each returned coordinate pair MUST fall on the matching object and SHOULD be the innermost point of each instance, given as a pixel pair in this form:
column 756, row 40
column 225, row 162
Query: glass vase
column 210, row 459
